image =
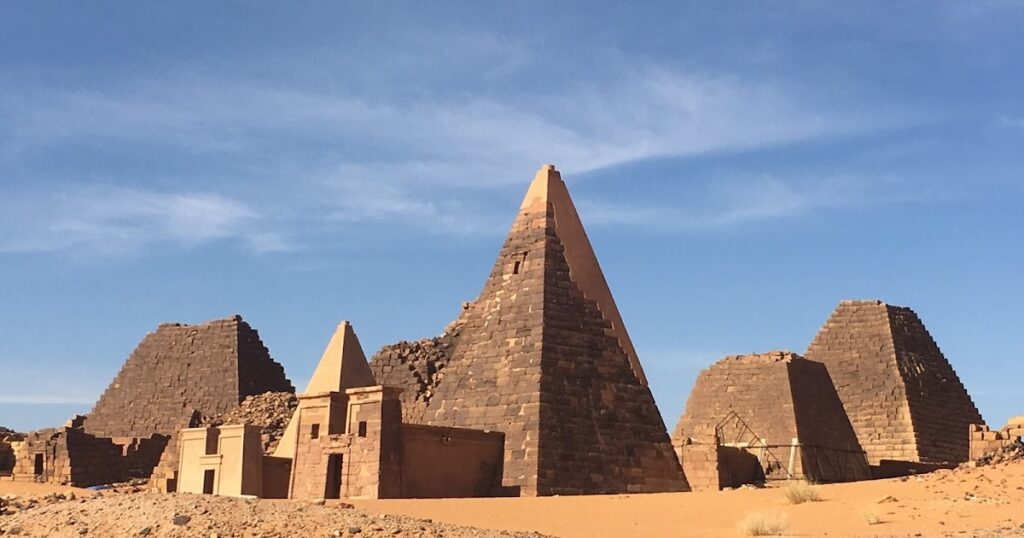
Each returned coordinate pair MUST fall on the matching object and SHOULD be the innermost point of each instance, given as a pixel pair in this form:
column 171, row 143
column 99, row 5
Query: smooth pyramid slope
column 342, row 366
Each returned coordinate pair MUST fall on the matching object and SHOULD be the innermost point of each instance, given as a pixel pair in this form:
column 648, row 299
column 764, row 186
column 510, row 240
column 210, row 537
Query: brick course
column 538, row 359
column 902, row 396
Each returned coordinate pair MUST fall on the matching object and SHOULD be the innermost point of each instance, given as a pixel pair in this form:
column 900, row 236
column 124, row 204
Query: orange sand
column 31, row 489
column 941, row 502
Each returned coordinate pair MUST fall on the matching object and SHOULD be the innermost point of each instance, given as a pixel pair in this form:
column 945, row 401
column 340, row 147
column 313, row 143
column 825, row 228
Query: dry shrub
column 763, row 524
column 871, row 516
column 801, row 492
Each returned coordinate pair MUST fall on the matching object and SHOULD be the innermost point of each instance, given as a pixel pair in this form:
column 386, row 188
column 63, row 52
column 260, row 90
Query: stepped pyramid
column 342, row 366
column 785, row 402
column 180, row 369
column 543, row 356
column 902, row 396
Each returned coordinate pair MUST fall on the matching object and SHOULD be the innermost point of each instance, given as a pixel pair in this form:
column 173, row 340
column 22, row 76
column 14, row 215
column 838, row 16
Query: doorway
column 208, row 479
column 39, row 467
column 335, row 466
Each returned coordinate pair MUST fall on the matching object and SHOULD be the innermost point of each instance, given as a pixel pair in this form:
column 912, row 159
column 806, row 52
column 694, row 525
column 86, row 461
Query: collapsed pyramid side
column 177, row 369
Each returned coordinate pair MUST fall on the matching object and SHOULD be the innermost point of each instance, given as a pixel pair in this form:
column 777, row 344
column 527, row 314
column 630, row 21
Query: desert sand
column 987, row 501
column 971, row 502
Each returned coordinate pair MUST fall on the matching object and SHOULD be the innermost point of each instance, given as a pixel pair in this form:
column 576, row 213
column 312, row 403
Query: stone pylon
column 543, row 356
column 902, row 396
column 342, row 366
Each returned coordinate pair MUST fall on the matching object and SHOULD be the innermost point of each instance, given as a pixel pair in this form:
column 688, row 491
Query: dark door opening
column 39, row 465
column 208, row 477
column 334, row 470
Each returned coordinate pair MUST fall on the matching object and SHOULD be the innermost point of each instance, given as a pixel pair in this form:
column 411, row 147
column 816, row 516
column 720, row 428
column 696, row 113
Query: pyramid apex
column 540, row 189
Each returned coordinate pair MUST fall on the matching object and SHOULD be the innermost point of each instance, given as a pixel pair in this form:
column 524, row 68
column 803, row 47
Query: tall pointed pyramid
column 902, row 396
column 342, row 366
column 543, row 356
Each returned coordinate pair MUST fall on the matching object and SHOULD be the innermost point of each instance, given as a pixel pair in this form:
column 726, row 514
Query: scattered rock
column 181, row 519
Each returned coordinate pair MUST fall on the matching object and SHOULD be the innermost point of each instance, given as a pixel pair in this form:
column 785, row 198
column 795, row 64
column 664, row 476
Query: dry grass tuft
column 763, row 524
column 801, row 492
column 871, row 516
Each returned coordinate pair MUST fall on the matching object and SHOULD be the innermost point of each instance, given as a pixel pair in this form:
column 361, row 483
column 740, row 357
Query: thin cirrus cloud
column 117, row 220
column 730, row 202
column 426, row 163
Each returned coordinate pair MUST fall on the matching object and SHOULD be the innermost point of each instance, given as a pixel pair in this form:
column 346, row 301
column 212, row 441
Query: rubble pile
column 417, row 364
column 270, row 410
column 1014, row 451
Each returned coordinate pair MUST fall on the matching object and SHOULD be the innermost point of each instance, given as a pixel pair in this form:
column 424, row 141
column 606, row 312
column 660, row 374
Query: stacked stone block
column 902, row 396
column 986, row 441
column 71, row 456
column 180, row 368
column 776, row 406
column 539, row 361
column 418, row 366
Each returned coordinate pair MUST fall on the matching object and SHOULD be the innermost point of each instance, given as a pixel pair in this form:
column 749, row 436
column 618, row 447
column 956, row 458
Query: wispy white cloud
column 736, row 201
column 423, row 162
column 117, row 220
column 1014, row 122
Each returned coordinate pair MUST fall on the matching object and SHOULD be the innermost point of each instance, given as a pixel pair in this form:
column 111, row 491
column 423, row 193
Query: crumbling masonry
column 768, row 416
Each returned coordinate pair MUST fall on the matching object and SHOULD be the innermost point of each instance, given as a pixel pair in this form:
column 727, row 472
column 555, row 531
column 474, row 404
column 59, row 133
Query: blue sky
column 740, row 168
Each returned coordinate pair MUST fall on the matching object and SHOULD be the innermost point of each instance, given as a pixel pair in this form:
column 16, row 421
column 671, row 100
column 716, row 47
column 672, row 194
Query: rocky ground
column 127, row 513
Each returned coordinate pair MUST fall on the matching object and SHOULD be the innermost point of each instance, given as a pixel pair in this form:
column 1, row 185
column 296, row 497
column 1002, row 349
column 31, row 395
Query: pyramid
column 902, row 396
column 342, row 366
column 785, row 404
column 543, row 356
column 179, row 369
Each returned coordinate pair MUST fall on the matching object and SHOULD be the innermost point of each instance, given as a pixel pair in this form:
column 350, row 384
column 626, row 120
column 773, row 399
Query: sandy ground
column 979, row 502
column 9, row 487
column 986, row 501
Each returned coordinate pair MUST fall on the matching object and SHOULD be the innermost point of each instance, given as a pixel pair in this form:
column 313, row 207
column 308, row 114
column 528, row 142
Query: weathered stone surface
column 789, row 417
column 543, row 356
column 902, row 396
column 179, row 369
column 271, row 411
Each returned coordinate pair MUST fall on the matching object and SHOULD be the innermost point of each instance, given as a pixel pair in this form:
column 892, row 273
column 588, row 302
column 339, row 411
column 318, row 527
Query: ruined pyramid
column 342, row 366
column 180, row 369
column 543, row 356
column 902, row 396
column 789, row 416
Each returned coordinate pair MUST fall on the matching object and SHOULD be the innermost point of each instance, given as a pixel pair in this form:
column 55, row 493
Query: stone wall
column 985, row 441
column 179, row 368
column 70, row 456
column 902, row 396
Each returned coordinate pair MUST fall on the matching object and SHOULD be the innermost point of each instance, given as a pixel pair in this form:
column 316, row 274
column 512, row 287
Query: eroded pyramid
column 180, row 369
column 342, row 366
column 902, row 396
column 543, row 356
column 788, row 415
